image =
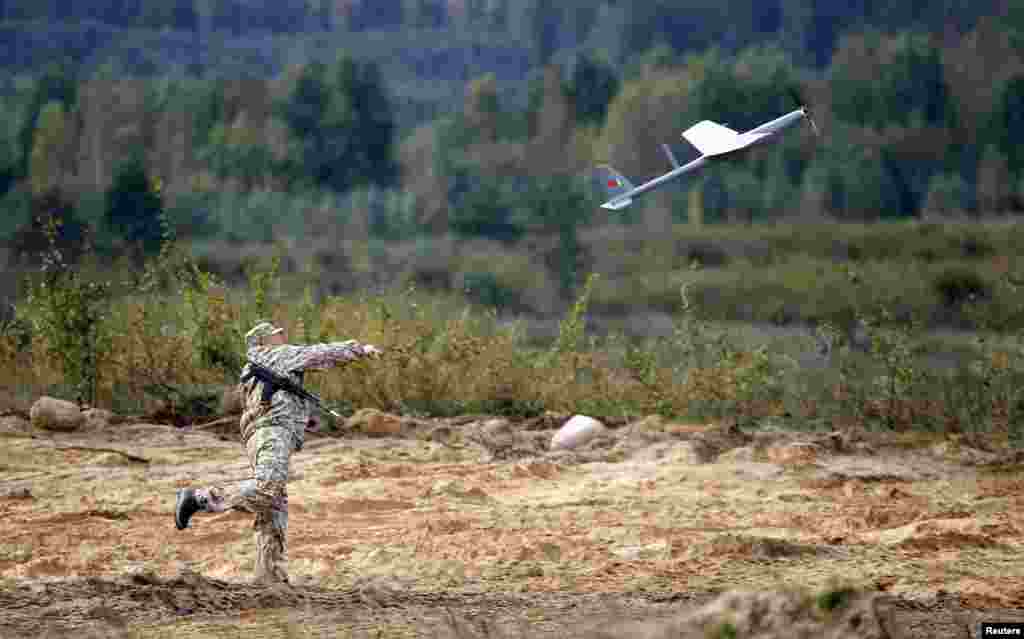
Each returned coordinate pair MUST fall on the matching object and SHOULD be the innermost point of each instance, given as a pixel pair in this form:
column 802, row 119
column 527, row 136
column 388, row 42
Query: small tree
column 593, row 83
column 134, row 208
column 67, row 311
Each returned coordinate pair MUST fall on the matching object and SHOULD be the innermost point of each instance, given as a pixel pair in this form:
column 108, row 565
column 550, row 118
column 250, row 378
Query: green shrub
column 66, row 311
column 955, row 286
column 483, row 288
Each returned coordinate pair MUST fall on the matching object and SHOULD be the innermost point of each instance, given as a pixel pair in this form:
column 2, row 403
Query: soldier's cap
column 261, row 330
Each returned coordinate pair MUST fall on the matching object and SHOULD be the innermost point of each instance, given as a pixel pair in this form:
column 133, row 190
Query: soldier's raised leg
column 266, row 496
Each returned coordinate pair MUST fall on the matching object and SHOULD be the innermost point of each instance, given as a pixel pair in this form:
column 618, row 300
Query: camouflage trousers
column 265, row 495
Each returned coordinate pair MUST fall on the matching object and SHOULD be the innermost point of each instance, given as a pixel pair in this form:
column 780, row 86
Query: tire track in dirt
column 188, row 604
column 68, row 606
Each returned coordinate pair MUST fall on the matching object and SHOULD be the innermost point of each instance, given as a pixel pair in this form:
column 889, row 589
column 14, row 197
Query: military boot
column 187, row 505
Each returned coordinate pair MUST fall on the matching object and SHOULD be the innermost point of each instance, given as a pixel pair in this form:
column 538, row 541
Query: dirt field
column 469, row 528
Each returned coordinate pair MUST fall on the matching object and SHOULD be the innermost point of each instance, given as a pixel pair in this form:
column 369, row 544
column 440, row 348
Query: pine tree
column 592, row 86
column 134, row 208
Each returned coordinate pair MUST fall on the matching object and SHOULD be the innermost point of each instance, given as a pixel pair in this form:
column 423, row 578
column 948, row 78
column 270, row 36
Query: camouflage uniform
column 270, row 435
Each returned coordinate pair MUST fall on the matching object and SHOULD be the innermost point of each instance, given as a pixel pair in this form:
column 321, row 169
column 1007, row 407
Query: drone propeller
column 799, row 99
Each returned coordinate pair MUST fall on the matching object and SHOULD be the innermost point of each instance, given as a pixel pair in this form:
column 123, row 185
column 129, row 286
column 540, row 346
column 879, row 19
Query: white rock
column 577, row 431
column 56, row 414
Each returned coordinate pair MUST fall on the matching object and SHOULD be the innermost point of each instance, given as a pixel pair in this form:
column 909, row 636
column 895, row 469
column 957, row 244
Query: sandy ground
column 472, row 520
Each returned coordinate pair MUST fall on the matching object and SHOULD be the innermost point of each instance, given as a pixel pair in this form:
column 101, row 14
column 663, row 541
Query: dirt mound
column 774, row 615
column 943, row 534
column 187, row 605
column 753, row 547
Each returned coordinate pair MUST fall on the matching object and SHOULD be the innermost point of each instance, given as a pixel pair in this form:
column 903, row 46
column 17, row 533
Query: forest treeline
column 920, row 109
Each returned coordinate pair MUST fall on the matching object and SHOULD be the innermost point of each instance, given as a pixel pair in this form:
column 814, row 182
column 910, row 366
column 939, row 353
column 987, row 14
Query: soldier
column 270, row 433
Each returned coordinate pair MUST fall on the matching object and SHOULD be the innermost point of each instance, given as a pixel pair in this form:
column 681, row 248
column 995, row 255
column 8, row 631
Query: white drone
column 714, row 142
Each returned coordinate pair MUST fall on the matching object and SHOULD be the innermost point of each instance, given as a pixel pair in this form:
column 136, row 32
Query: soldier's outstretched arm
column 321, row 356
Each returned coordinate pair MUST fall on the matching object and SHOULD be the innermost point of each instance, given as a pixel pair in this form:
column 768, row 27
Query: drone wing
column 711, row 138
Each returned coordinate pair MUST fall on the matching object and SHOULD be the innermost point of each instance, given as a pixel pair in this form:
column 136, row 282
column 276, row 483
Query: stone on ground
column 50, row 413
column 98, row 419
column 771, row 615
column 375, row 423
column 579, row 430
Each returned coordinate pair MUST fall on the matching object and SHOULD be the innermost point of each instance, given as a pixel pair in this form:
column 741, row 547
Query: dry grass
column 170, row 353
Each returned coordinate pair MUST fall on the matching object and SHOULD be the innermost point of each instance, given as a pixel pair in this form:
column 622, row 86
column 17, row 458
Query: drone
column 714, row 142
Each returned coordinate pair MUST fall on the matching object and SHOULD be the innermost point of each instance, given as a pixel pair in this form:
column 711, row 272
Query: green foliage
column 879, row 80
column 209, row 325
column 228, row 157
column 343, row 124
column 134, row 208
column 723, row 630
column 840, row 358
column 11, row 161
column 15, row 215
column 592, row 85
column 572, row 328
column 484, row 288
column 834, row 599
column 264, row 284
column 206, row 103
column 48, row 148
column 309, row 316
column 741, row 92
column 993, row 380
column 66, row 311
column 483, row 206
column 851, row 179
column 761, row 382
column 891, row 346
column 693, row 337
column 392, row 214
column 32, row 239
column 190, row 216
column 558, row 204
column 947, row 194
column 1007, row 122
column 956, row 286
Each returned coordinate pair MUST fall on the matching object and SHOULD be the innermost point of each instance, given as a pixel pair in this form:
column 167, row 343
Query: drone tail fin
column 615, row 185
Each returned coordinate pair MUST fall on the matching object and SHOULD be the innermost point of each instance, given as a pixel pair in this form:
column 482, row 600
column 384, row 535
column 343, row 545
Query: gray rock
column 98, row 419
column 56, row 414
column 14, row 425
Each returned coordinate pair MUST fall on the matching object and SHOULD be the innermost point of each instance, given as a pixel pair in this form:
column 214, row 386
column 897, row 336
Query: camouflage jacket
column 287, row 410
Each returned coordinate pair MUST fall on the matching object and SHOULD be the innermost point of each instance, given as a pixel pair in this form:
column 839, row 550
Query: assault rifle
column 272, row 382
